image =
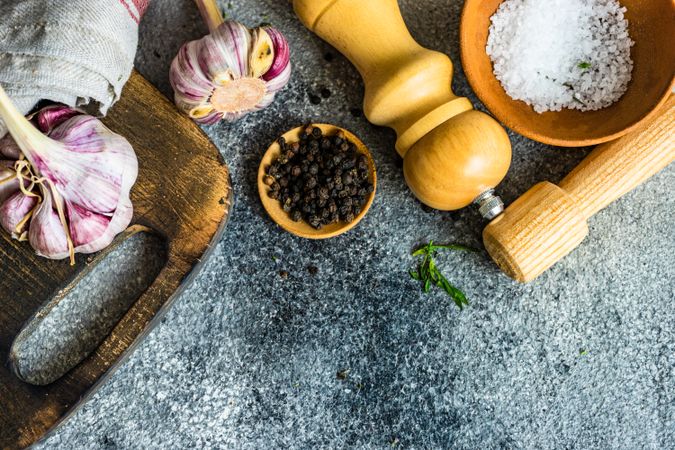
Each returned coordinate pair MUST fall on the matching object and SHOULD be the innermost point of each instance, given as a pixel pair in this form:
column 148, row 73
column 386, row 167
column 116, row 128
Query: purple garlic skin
column 76, row 187
column 14, row 209
column 230, row 72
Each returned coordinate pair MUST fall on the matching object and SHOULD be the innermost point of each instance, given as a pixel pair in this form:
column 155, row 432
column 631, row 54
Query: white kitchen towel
column 77, row 52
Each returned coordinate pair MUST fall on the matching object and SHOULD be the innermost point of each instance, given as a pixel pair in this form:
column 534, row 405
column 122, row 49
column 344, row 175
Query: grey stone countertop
column 584, row 357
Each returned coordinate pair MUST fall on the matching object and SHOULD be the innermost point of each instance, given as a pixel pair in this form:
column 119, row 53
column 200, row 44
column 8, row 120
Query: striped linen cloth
column 77, row 52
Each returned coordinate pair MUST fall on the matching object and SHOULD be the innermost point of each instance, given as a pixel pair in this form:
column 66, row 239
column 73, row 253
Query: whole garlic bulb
column 229, row 72
column 65, row 191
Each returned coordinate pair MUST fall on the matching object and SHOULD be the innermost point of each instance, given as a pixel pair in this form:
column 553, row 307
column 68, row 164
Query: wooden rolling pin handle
column 615, row 168
column 452, row 153
column 548, row 222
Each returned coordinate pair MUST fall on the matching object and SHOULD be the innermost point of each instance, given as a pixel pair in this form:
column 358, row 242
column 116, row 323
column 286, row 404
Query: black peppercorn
column 268, row 180
column 321, row 179
column 315, row 221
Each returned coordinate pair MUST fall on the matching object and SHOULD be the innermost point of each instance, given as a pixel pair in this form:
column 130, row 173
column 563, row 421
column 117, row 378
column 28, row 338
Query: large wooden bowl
column 651, row 26
column 302, row 228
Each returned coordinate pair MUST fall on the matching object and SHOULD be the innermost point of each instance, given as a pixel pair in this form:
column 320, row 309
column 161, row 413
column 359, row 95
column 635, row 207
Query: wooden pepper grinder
column 452, row 154
column 548, row 221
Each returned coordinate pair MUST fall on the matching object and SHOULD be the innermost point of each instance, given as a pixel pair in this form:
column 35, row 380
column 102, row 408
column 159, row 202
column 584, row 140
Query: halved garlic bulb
column 231, row 71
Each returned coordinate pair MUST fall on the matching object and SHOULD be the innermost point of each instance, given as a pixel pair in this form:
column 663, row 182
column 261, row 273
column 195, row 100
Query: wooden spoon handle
column 617, row 167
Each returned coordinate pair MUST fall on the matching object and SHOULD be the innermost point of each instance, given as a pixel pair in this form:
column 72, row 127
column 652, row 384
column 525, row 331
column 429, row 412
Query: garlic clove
column 262, row 53
column 46, row 233
column 282, row 57
column 92, row 235
column 85, row 226
column 225, row 49
column 192, row 88
column 15, row 212
column 8, row 148
column 201, row 111
column 277, row 83
column 187, row 77
column 50, row 117
column 215, row 117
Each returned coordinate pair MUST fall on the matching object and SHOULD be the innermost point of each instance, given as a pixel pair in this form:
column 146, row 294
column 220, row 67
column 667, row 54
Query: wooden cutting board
column 183, row 193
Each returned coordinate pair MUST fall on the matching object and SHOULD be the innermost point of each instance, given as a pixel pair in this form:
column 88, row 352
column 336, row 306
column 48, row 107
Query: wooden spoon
column 302, row 228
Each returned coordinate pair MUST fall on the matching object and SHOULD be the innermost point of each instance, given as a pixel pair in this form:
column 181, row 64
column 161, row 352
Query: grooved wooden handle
column 548, row 222
column 407, row 85
column 617, row 167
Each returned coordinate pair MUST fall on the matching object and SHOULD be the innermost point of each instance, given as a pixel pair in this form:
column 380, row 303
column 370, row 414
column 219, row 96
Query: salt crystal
column 555, row 54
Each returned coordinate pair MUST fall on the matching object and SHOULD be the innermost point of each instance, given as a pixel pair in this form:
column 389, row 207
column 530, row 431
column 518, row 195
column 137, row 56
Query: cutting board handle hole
column 72, row 324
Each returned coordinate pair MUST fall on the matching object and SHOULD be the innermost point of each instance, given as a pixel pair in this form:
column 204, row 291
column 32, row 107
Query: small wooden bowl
column 303, row 229
column 651, row 26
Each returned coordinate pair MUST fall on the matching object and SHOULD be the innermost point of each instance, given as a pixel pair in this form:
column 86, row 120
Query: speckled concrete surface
column 582, row 358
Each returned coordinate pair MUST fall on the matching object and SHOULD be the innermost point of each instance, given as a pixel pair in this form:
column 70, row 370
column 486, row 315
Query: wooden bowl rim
column 303, row 229
column 523, row 129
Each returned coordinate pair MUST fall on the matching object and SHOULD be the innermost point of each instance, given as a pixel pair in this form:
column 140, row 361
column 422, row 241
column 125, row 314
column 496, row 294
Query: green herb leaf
column 584, row 65
column 427, row 272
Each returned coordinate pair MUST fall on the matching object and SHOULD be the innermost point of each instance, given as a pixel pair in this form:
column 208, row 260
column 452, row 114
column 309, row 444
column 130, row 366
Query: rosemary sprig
column 427, row 272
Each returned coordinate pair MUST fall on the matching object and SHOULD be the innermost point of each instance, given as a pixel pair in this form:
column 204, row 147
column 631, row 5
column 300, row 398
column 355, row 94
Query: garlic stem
column 210, row 13
column 26, row 136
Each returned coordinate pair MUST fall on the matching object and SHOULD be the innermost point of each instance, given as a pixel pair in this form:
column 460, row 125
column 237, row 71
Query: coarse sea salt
column 555, row 54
